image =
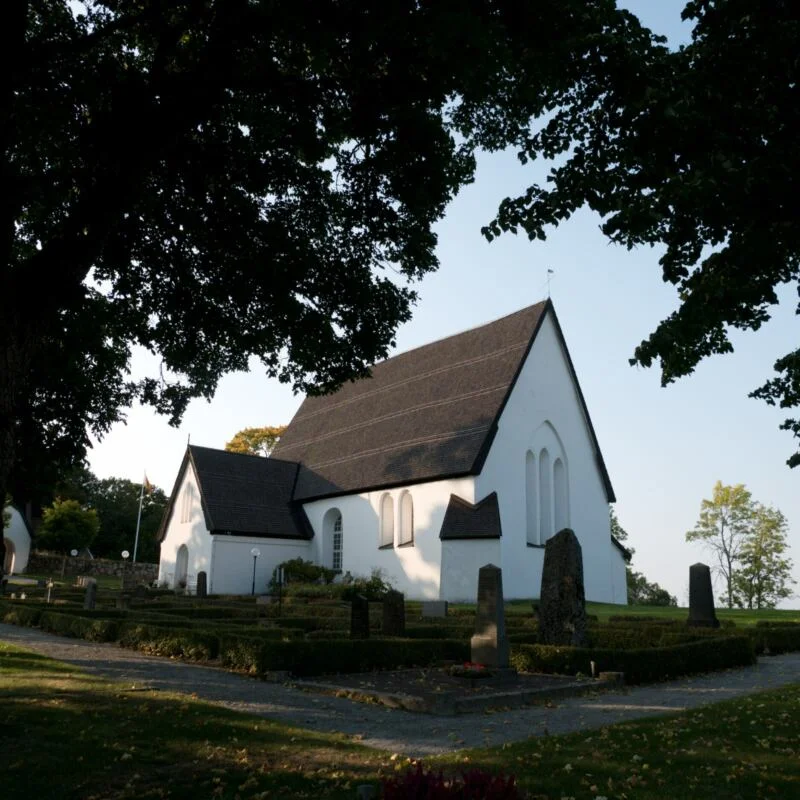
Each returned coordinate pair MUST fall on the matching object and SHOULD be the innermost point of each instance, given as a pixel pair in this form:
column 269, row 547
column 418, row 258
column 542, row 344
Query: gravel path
column 399, row 731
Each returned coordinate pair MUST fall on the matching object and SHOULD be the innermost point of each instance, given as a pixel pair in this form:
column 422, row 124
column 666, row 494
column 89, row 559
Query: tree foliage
column 116, row 502
column 225, row 180
column 724, row 524
column 694, row 150
column 748, row 541
column 255, row 441
column 66, row 526
column 641, row 592
column 764, row 576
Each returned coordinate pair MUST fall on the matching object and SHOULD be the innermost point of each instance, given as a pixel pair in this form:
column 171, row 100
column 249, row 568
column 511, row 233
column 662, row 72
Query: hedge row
column 642, row 665
column 337, row 655
column 775, row 640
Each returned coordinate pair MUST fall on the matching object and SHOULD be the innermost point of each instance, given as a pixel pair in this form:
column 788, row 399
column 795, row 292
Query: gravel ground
column 400, row 731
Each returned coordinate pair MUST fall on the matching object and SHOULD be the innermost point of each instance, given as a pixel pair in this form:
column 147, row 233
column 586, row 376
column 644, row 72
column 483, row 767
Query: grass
column 68, row 734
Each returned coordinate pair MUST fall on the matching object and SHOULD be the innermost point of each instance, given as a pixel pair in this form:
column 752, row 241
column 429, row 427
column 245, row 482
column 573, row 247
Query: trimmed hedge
column 642, row 665
column 337, row 655
column 192, row 645
column 775, row 640
column 15, row 614
column 93, row 630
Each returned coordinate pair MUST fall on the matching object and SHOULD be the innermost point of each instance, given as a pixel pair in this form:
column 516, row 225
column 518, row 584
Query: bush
column 337, row 655
column 641, row 665
column 476, row 784
column 79, row 627
column 376, row 587
column 775, row 640
column 15, row 614
column 298, row 571
column 189, row 644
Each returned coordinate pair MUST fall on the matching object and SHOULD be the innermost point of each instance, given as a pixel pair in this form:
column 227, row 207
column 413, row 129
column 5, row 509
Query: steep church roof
column 243, row 494
column 427, row 414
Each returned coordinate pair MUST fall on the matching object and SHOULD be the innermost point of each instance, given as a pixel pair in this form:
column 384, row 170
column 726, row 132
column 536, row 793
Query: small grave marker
column 489, row 645
column 394, row 614
column 701, row 598
column 562, row 602
column 359, row 617
column 434, row 608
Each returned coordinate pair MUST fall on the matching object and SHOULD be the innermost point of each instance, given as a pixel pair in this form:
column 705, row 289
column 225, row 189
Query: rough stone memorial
column 394, row 614
column 202, row 584
column 562, row 601
column 359, row 617
column 90, row 597
column 701, row 598
column 489, row 645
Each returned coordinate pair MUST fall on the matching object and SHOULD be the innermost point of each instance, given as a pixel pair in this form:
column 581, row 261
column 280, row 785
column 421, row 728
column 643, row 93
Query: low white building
column 17, row 541
column 474, row 449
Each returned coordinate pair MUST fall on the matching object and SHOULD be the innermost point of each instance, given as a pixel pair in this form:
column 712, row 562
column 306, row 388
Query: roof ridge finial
column 549, row 273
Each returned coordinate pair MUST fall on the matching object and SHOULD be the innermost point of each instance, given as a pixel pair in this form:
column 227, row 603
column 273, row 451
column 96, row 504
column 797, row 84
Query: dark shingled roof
column 463, row 520
column 243, row 494
column 626, row 554
column 427, row 414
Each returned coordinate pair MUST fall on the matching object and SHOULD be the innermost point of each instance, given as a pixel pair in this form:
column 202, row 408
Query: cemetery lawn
column 68, row 734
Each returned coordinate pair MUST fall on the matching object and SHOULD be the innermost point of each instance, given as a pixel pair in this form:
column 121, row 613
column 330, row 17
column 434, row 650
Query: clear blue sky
column 664, row 448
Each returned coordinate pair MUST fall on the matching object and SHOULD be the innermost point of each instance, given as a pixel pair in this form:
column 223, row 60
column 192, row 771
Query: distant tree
column 256, row 441
column 640, row 591
column 763, row 577
column 643, row 593
column 724, row 524
column 116, row 501
column 66, row 525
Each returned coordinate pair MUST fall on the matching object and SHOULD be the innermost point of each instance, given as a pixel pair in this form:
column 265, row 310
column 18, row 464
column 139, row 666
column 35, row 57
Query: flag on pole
column 148, row 487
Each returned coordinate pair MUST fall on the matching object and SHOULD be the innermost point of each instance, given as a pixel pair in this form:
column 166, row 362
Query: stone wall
column 53, row 563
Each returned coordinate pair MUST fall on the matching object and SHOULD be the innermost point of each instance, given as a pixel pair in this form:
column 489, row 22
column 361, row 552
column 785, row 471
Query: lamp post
column 255, row 552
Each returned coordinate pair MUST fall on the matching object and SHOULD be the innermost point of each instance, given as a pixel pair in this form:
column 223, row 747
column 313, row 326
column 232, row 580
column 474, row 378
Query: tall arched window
column 387, row 521
column 560, row 496
column 187, row 501
column 338, row 534
column 545, row 497
column 406, row 519
column 531, row 489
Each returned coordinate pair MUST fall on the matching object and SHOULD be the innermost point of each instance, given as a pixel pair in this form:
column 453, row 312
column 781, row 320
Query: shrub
column 16, row 614
column 639, row 665
column 79, row 627
column 775, row 639
column 190, row 644
column 298, row 571
column 376, row 587
column 421, row 784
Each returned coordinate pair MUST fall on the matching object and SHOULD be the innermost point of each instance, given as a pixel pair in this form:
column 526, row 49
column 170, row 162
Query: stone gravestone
column 394, row 614
column 434, row 608
column 123, row 600
column 701, row 598
column 202, row 584
column 562, row 602
column 489, row 645
column 359, row 617
column 90, row 597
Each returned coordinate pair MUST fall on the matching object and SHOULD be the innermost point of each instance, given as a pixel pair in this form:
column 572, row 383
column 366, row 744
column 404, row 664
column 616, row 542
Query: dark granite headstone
column 489, row 645
column 202, row 584
column 90, row 597
column 562, row 602
column 123, row 600
column 140, row 591
column 359, row 617
column 394, row 614
column 701, row 598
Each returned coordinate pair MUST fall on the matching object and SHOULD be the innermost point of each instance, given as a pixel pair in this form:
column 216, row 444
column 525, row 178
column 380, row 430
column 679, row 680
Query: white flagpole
column 139, row 518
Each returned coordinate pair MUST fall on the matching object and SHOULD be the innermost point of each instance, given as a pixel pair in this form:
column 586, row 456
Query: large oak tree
column 217, row 180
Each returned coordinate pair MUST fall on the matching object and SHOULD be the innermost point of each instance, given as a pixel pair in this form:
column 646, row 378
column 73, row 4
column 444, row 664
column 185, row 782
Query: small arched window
column 387, row 521
column 545, row 497
column 406, row 519
column 531, row 490
column 338, row 534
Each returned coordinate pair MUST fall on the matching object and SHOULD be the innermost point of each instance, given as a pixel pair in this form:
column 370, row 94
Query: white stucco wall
column 20, row 539
column 193, row 534
column 461, row 560
column 619, row 580
column 545, row 393
column 414, row 570
column 232, row 572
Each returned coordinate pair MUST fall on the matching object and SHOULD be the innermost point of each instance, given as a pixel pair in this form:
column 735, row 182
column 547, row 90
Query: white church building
column 473, row 449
